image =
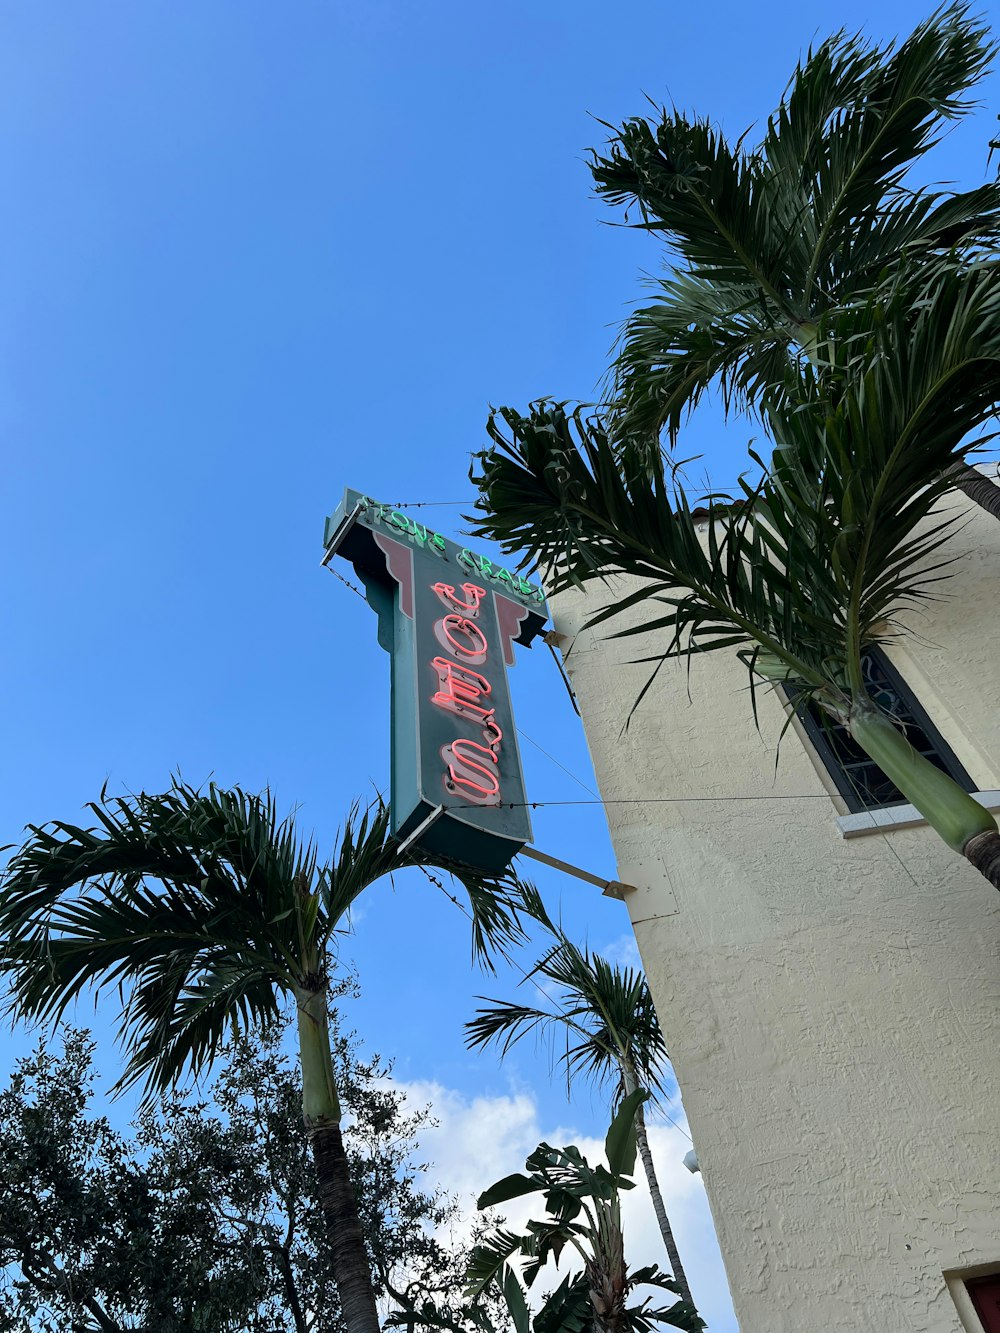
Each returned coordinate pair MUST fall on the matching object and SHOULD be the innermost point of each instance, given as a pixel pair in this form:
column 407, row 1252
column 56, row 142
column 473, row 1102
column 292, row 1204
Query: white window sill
column 899, row 816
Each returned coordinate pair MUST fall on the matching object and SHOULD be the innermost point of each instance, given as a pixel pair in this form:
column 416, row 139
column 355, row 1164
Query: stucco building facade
column 828, row 982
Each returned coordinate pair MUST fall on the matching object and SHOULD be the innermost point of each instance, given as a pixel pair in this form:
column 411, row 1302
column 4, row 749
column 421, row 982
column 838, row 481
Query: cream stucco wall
column 832, row 1006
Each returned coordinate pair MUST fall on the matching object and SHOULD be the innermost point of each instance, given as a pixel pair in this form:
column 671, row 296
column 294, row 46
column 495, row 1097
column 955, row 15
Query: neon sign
column 449, row 619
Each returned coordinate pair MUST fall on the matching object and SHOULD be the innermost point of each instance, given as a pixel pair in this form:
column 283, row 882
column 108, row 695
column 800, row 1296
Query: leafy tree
column 583, row 1213
column 200, row 910
column 207, row 1216
column 766, row 243
column 612, row 1035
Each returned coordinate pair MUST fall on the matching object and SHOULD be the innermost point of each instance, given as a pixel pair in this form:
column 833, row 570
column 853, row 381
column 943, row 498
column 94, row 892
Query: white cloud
column 623, row 952
column 478, row 1140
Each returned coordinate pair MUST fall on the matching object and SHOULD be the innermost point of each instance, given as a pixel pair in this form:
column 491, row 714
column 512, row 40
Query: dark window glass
column 985, row 1293
column 861, row 782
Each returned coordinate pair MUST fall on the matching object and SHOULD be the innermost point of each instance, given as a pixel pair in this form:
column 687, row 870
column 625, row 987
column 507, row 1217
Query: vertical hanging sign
column 449, row 620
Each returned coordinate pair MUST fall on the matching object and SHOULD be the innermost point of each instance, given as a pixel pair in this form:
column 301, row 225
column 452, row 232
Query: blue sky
column 253, row 253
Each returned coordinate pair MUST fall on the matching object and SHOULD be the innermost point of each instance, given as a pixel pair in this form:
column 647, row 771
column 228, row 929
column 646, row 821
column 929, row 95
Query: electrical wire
column 706, row 490
column 669, row 800
column 578, row 781
column 346, row 582
column 642, row 800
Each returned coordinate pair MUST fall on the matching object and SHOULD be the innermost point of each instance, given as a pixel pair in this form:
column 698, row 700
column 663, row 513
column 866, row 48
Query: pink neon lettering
column 467, row 771
column 462, row 638
column 459, row 689
column 473, row 593
column 492, row 734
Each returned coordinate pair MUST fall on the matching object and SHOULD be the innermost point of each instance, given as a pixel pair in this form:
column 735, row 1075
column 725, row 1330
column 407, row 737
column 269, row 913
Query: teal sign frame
column 449, row 619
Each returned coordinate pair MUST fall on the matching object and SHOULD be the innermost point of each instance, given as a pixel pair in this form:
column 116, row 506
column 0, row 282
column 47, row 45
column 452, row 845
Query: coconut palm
column 612, row 1034
column 823, row 558
column 199, row 911
column 763, row 243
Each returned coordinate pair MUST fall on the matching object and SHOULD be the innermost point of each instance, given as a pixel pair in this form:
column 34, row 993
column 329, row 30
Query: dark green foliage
column 817, row 561
column 582, row 1214
column 205, row 906
column 765, row 241
column 205, row 1219
column 603, row 1012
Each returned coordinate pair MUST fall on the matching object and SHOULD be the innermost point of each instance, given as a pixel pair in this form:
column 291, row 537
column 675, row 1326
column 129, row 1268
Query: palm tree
column 822, row 558
column 613, row 1036
column 200, row 911
column 764, row 243
column 583, row 1213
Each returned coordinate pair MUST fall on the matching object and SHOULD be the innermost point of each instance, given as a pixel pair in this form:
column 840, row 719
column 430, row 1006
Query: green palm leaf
column 816, row 562
column 603, row 1013
column 825, row 556
column 813, row 220
column 198, row 909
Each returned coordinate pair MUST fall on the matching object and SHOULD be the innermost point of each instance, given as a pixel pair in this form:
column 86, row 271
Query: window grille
column 859, row 780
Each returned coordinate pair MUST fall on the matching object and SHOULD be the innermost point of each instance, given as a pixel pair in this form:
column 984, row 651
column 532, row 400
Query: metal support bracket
column 343, row 528
column 611, row 888
column 421, row 828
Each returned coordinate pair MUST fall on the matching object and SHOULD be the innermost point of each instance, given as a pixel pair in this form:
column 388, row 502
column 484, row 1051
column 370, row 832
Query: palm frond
column 489, row 1259
column 908, row 227
column 567, row 1308
column 504, row 1023
column 366, row 851
column 613, row 1007
column 696, row 335
column 583, row 509
column 813, row 220
column 178, row 902
column 173, row 1031
column 603, row 1014
column 857, row 117
column 498, row 905
column 702, row 198
column 836, row 540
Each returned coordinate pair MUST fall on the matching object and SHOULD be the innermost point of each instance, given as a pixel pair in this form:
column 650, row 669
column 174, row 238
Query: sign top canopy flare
column 448, row 619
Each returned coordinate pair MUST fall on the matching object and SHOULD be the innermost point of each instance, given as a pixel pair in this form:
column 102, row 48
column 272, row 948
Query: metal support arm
column 611, row 888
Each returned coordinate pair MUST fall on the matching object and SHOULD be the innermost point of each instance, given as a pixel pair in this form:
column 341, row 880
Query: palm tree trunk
column 321, row 1112
column 965, row 825
column 978, row 488
column 983, row 851
column 666, row 1231
column 607, row 1282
